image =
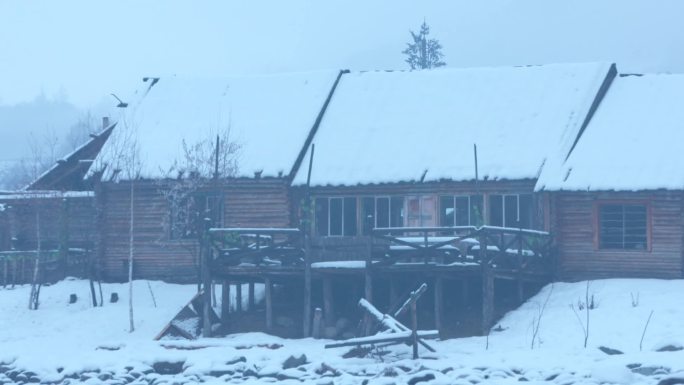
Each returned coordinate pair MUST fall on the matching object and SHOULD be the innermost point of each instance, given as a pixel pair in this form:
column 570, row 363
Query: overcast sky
column 77, row 52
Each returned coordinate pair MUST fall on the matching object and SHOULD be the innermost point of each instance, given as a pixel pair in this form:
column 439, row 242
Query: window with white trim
column 511, row 210
column 460, row 210
column 336, row 216
column 382, row 211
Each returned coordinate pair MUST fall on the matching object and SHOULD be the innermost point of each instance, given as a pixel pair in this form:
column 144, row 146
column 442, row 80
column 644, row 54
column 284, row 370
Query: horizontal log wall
column 247, row 203
column 20, row 222
column 575, row 229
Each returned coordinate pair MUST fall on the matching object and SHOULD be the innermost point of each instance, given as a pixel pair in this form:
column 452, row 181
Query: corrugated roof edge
column 71, row 156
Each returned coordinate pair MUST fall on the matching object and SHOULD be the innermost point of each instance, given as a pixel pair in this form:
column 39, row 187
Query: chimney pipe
column 105, row 122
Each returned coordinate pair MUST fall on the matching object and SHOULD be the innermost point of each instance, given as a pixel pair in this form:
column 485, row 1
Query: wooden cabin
column 55, row 216
column 618, row 199
column 264, row 122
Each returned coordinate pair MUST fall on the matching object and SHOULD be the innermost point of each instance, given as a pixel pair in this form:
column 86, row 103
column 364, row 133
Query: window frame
column 342, row 198
column 597, row 225
column 453, row 202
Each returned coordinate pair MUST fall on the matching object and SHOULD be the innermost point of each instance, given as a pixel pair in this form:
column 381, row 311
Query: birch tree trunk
column 35, row 288
column 130, row 264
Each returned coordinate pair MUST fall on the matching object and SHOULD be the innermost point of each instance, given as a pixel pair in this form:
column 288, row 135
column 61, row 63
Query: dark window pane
column 349, row 216
column 476, row 213
column 397, row 212
column 335, row 216
column 511, row 211
column 322, row 216
column 462, row 211
column 368, row 213
column 496, row 210
column 382, row 212
column 526, row 210
column 446, row 211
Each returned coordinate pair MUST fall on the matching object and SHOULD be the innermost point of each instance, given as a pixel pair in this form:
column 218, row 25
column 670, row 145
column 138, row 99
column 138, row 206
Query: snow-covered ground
column 61, row 339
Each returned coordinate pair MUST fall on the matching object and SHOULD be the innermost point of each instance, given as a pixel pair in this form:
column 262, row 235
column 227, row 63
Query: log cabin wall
column 576, row 227
column 247, row 202
column 78, row 214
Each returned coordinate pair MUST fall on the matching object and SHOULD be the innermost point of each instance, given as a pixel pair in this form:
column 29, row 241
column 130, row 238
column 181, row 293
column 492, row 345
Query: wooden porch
column 465, row 258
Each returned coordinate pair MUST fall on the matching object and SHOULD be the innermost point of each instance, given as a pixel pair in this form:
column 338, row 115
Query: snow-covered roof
column 400, row 126
column 633, row 142
column 269, row 116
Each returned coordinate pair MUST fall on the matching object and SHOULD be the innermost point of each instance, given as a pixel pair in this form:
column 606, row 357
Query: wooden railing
column 258, row 246
column 17, row 266
column 501, row 248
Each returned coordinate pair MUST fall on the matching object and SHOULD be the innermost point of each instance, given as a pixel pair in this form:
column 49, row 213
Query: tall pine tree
column 423, row 52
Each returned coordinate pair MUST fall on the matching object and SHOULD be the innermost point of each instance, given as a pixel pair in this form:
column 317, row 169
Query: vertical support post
column 393, row 293
column 250, row 295
column 465, row 292
column 487, row 288
column 317, row 318
column 238, row 297
column 439, row 287
column 205, row 252
column 520, row 290
column 368, row 283
column 269, row 303
column 414, row 329
column 225, row 302
column 307, row 285
column 64, row 235
column 328, row 305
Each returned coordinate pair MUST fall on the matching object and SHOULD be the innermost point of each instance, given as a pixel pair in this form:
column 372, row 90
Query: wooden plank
column 328, row 302
column 439, row 288
column 250, row 294
column 238, row 297
column 269, row 303
column 225, row 302
column 383, row 338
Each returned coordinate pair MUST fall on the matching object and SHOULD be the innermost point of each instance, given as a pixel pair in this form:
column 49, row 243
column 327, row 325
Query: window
column 511, row 210
column 460, row 210
column 623, row 226
column 187, row 214
column 421, row 211
column 336, row 216
column 382, row 212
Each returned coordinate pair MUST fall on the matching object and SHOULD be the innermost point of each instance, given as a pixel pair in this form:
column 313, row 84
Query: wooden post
column 238, row 297
column 368, row 283
column 328, row 305
column 205, row 255
column 250, row 294
column 521, row 290
column 487, row 288
column 393, row 293
column 64, row 237
column 307, row 250
column 269, row 303
column 465, row 292
column 414, row 329
column 439, row 286
column 316, row 329
column 225, row 302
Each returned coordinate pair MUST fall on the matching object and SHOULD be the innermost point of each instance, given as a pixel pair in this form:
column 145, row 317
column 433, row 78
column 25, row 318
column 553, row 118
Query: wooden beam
column 269, row 303
column 487, row 288
column 368, row 284
column 250, row 294
column 316, row 329
column 238, row 297
column 439, row 287
column 225, row 302
column 328, row 305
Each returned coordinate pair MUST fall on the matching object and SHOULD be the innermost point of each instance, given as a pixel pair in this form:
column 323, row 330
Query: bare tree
column 200, row 162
